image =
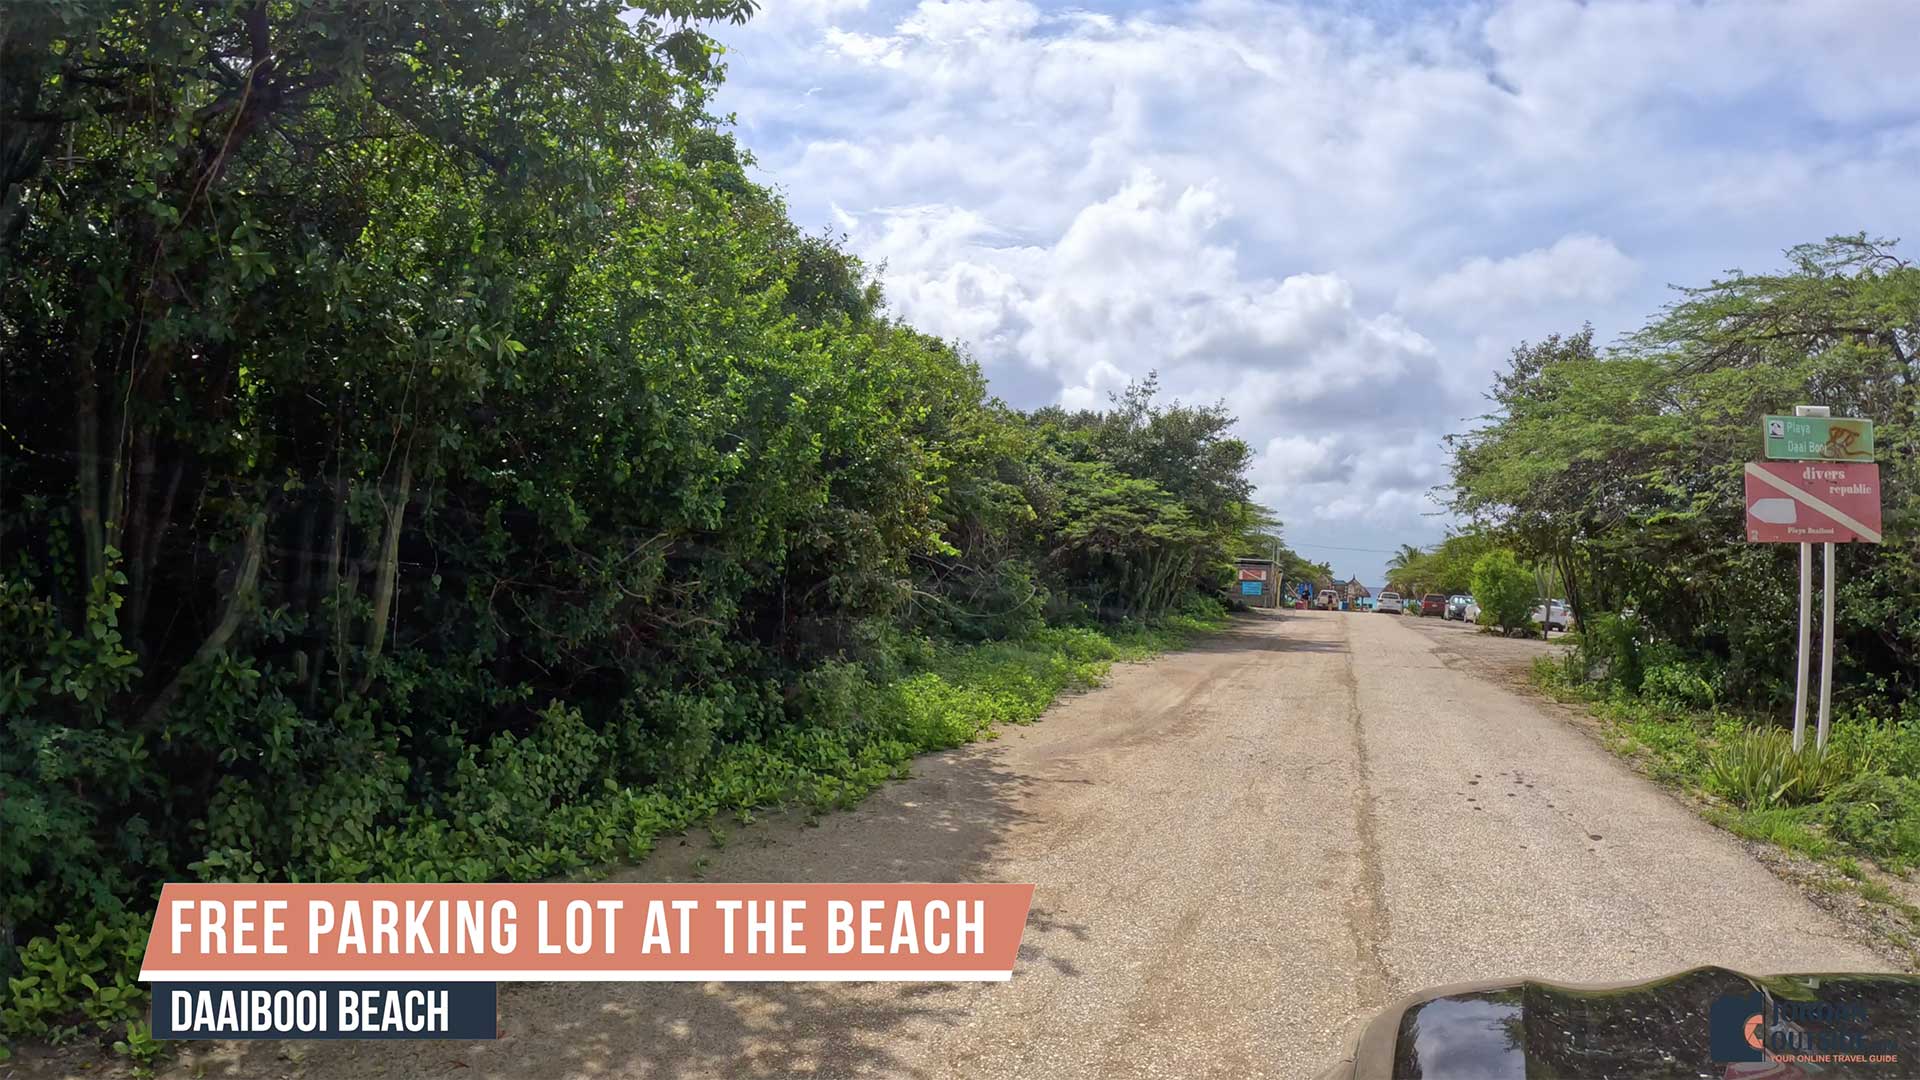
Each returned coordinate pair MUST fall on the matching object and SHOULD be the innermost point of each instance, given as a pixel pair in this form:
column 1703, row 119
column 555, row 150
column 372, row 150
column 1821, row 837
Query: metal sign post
column 1806, row 622
column 1826, row 648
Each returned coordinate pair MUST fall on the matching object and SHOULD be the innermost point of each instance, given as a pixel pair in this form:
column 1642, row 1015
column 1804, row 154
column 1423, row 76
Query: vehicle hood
column 1663, row 1028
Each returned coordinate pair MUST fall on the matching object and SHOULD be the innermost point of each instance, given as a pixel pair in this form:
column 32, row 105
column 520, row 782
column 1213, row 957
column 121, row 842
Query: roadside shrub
column 1608, row 648
column 1761, row 769
column 1691, row 685
column 1504, row 589
column 1891, row 746
column 78, row 979
column 1879, row 814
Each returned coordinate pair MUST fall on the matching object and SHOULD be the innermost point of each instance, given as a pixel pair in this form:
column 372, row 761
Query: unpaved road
column 1239, row 851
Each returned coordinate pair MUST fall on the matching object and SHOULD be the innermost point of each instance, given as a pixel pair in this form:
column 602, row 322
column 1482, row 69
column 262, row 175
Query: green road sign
column 1819, row 438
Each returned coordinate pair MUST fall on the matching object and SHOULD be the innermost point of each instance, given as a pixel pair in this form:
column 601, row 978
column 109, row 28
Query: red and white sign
column 1253, row 573
column 1817, row 502
column 586, row 932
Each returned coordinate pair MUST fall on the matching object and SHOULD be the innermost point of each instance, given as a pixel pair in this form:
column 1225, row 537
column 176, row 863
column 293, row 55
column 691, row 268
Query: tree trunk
column 239, row 600
column 335, row 552
column 387, row 571
column 86, row 453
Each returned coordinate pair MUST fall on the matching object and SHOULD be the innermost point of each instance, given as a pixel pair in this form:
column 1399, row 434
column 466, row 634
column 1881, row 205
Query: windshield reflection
column 1655, row 1030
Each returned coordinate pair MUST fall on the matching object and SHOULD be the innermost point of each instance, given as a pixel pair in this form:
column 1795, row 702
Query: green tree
column 1622, row 469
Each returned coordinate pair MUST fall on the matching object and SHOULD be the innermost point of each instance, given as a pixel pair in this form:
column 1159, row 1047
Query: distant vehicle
column 1390, row 603
column 1329, row 600
column 1457, row 606
column 1433, row 604
column 1562, row 615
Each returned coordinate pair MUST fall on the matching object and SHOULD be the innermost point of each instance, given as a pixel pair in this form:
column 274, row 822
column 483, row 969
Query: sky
column 1337, row 218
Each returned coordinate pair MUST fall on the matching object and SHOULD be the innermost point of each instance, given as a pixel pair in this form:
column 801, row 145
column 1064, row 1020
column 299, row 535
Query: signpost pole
column 1826, row 651
column 1806, row 622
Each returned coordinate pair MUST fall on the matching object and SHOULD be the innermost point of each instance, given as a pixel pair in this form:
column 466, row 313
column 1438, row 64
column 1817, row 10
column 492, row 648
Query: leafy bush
column 1879, row 814
column 1608, row 648
column 1690, row 685
column 1505, row 590
column 1761, row 769
column 81, row 977
column 1891, row 746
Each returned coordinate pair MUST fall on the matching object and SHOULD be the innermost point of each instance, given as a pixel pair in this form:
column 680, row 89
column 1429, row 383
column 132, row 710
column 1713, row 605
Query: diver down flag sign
column 1818, row 502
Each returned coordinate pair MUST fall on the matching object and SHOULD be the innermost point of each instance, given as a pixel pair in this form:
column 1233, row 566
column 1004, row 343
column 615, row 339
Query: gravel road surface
column 1240, row 850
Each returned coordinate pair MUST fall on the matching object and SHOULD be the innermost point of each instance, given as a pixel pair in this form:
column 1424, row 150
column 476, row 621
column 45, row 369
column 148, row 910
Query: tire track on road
column 1366, row 903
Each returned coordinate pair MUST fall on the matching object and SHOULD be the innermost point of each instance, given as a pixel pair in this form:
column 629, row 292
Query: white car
column 1562, row 615
column 1390, row 603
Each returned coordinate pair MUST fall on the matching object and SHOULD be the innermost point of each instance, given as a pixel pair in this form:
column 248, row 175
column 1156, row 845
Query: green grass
column 1858, row 801
column 1853, row 804
column 1782, row 827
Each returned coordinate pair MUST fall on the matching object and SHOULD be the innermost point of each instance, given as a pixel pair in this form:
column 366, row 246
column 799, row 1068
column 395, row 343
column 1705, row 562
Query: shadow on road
column 1255, row 632
column 945, row 823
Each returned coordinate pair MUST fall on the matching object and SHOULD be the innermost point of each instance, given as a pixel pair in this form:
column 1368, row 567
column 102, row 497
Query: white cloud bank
column 1337, row 222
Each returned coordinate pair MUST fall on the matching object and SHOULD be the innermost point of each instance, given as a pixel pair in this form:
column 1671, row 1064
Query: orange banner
column 586, row 932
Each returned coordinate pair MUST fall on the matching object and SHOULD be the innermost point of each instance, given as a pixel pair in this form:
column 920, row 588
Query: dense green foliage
column 1504, row 590
column 428, row 456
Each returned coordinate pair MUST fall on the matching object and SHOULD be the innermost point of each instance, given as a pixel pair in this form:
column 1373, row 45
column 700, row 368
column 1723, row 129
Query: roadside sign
column 1819, row 438
column 1812, row 502
column 1251, row 588
column 1253, row 573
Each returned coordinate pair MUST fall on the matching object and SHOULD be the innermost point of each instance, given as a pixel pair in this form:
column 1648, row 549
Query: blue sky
column 1338, row 218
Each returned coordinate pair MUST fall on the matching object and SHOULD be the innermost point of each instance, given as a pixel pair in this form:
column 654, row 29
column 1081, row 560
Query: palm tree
column 1400, row 565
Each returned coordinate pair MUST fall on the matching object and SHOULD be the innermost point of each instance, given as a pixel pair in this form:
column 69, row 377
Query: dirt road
column 1239, row 851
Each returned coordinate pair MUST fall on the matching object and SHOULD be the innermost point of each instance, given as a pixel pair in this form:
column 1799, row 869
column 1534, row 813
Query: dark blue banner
column 262, row 1010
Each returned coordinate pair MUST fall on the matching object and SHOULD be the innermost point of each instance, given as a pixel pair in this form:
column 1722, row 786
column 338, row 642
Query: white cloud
column 1578, row 267
column 1338, row 222
column 1299, row 459
column 1138, row 281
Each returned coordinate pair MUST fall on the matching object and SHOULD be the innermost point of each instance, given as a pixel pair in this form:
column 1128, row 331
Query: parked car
column 1390, row 603
column 1329, row 600
column 1457, row 606
column 1433, row 604
column 1562, row 615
